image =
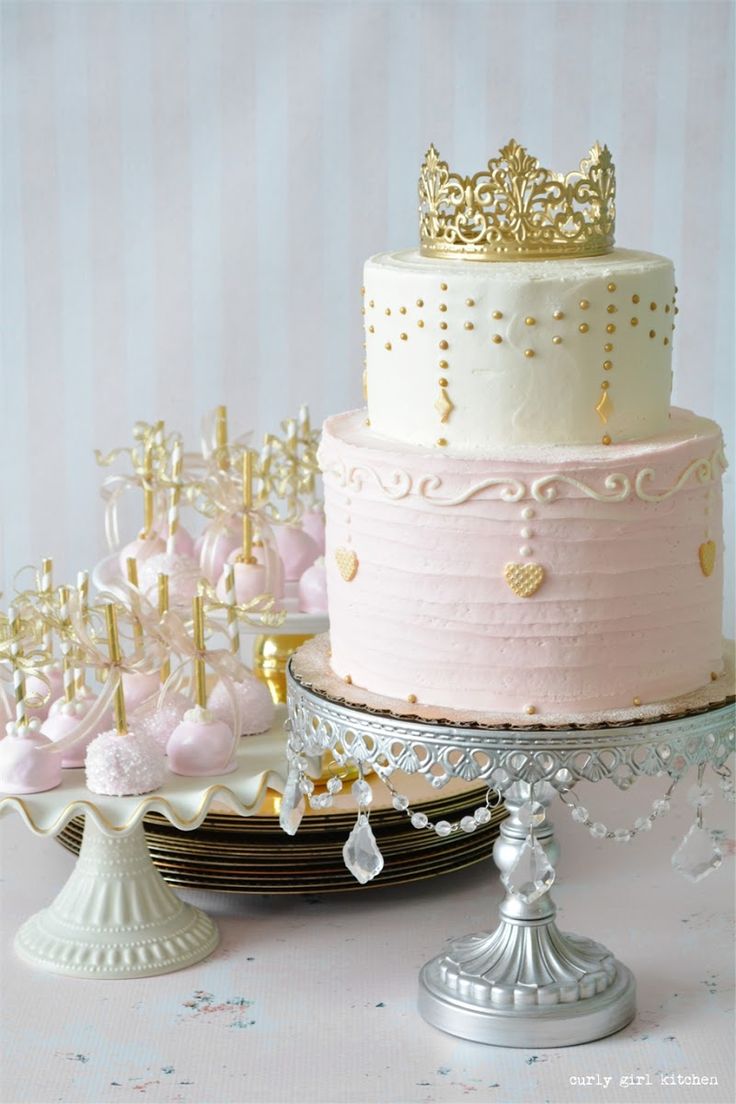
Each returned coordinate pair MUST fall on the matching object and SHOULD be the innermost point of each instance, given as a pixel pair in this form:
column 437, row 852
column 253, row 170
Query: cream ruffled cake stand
column 526, row 983
column 116, row 917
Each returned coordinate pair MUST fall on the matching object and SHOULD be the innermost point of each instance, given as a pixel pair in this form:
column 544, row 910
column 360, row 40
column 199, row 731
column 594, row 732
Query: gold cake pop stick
column 246, row 555
column 80, row 678
column 19, row 682
column 223, row 460
column 111, row 619
column 66, row 645
column 200, row 673
column 131, row 565
column 148, row 496
column 163, row 608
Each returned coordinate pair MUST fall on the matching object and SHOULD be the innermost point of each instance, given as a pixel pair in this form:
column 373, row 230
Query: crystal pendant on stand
column 361, row 854
column 698, row 854
column 292, row 806
column 532, row 874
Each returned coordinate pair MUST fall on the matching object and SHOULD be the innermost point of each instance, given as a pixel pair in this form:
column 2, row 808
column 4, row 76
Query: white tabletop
column 312, row 999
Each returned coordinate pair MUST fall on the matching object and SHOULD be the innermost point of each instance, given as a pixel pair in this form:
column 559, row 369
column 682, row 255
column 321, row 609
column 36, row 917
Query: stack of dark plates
column 252, row 855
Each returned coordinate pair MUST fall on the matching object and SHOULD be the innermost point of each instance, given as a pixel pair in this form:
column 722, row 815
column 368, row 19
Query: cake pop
column 183, row 571
column 266, row 553
column 148, row 543
column 137, row 685
column 159, row 718
column 313, row 524
column 297, row 549
column 120, row 762
column 250, row 576
column 45, row 687
column 313, row 588
column 255, row 705
column 201, row 745
column 25, row 765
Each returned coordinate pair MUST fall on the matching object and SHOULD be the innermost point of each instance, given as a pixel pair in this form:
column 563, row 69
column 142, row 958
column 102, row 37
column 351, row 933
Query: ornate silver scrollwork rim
column 561, row 757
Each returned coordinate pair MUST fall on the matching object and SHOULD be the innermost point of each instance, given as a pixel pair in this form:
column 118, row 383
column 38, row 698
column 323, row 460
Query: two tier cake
column 520, row 522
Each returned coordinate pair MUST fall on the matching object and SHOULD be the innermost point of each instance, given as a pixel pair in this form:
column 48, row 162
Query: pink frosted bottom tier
column 538, row 581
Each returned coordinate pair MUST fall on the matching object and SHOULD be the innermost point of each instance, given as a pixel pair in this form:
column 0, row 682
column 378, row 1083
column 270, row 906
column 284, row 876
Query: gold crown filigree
column 516, row 209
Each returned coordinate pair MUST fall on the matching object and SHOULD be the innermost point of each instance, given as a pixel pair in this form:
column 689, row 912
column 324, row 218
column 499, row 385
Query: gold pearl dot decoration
column 371, row 303
column 667, row 308
column 470, row 302
column 611, row 287
column 349, row 680
column 610, row 328
column 469, row 326
column 530, row 321
column 441, row 441
column 652, row 306
column 388, row 310
column 605, row 385
column 666, row 341
column 420, row 323
column 402, row 310
column 403, row 336
column 634, row 298
column 497, row 314
column 443, row 306
column 557, row 340
column 606, row 440
column 583, row 327
column 387, row 346
column 636, row 701
column 411, row 699
column 652, row 333
column 362, row 291
column 714, row 676
column 420, row 302
column 530, row 710
column 529, row 353
column 608, row 347
column 443, row 287
column 607, row 365
column 444, row 364
column 496, row 339
column 443, row 382
column 558, row 315
column 444, row 345
column 443, row 325
column 584, row 304
column 371, row 329
column 634, row 321
column 611, row 308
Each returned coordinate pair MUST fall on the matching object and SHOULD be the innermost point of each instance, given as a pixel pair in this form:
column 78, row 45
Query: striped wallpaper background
column 189, row 191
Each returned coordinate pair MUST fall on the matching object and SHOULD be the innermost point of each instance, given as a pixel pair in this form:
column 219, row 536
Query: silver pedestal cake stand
column 526, row 983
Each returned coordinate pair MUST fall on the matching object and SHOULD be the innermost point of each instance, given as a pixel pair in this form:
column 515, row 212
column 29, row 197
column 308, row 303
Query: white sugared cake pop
column 24, row 766
column 141, row 549
column 201, row 745
column 160, row 721
column 184, row 574
column 297, row 550
column 124, row 764
column 255, row 705
column 313, row 588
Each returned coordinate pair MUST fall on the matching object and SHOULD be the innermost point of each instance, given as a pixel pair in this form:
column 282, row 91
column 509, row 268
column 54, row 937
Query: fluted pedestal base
column 592, row 995
column 116, row 917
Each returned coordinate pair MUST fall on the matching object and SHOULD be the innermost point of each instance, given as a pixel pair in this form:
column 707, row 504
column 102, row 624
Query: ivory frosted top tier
column 466, row 356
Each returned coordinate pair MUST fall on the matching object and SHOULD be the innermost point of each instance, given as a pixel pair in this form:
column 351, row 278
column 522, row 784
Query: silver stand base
column 560, row 1024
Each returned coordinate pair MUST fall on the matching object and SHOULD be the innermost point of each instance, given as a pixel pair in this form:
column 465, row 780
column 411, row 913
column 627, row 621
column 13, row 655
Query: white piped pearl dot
column 527, row 513
column 525, row 550
column 526, row 532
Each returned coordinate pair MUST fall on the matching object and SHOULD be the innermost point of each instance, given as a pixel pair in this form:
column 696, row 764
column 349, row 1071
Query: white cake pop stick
column 233, row 625
column 174, row 501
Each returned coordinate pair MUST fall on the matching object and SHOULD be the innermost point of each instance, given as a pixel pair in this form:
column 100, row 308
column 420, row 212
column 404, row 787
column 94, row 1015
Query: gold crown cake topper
column 516, row 209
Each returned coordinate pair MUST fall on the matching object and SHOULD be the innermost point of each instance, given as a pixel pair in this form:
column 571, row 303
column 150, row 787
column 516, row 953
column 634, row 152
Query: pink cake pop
column 64, row 718
column 141, row 549
column 120, row 762
column 201, row 745
column 265, row 552
column 313, row 588
column 148, row 543
column 250, row 576
column 255, row 705
column 297, row 550
column 313, row 524
column 24, row 766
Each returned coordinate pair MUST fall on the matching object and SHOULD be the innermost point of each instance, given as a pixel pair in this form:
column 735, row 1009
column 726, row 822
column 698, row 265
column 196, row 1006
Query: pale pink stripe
column 368, row 180
column 506, row 47
column 570, row 114
column 639, row 117
column 239, row 269
column 436, row 30
column 105, row 215
column 43, row 283
column 173, row 207
column 309, row 211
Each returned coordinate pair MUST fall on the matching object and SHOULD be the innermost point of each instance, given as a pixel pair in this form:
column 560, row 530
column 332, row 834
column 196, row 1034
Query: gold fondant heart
column 707, row 556
column 524, row 579
column 347, row 563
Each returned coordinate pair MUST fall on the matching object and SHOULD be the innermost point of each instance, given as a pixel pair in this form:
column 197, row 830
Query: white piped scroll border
column 616, row 486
